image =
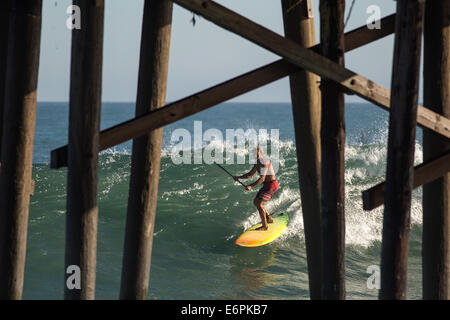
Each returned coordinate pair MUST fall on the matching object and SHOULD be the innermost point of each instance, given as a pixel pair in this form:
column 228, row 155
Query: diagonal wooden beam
column 217, row 94
column 423, row 173
column 182, row 108
column 308, row 59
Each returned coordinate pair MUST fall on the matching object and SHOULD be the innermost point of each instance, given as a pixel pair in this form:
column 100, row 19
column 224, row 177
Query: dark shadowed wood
column 214, row 95
column 146, row 154
column 5, row 9
column 436, row 195
column 333, row 153
column 401, row 143
column 84, row 122
column 17, row 142
column 305, row 97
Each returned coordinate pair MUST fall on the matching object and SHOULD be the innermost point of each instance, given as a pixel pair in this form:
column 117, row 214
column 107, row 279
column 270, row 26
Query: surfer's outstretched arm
column 247, row 175
column 263, row 174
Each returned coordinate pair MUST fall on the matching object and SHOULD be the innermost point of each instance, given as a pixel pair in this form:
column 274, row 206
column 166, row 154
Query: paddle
column 229, row 173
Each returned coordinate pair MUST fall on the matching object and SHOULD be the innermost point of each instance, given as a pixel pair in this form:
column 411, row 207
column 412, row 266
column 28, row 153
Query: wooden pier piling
column 5, row 11
column 333, row 153
column 436, row 195
column 146, row 153
column 19, row 112
column 83, row 148
column 401, row 144
column 305, row 96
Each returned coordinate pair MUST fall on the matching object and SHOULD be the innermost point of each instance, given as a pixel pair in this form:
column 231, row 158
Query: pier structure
column 319, row 80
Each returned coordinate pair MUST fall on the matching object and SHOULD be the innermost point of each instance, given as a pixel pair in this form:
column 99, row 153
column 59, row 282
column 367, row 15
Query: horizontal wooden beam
column 182, row 108
column 361, row 36
column 423, row 173
column 212, row 96
column 308, row 59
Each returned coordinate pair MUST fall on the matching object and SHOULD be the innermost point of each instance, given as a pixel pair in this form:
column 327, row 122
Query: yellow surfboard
column 256, row 238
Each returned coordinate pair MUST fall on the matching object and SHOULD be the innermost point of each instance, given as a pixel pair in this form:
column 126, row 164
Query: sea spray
column 201, row 211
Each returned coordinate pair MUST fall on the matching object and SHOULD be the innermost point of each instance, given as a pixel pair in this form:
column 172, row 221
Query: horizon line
column 169, row 102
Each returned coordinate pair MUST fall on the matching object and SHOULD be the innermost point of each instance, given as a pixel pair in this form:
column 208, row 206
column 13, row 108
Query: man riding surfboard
column 269, row 188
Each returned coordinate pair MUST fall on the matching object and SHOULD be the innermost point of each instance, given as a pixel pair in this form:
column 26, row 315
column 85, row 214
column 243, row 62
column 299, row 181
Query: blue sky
column 200, row 56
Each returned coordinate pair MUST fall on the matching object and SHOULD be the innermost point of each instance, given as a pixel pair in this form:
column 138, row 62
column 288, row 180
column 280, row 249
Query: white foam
column 363, row 228
column 366, row 166
column 195, row 186
column 115, row 151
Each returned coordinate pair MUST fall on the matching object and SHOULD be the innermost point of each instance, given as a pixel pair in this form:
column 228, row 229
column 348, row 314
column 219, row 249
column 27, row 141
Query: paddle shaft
column 229, row 174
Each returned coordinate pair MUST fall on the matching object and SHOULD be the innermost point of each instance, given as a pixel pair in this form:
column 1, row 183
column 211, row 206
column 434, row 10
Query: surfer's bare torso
column 265, row 170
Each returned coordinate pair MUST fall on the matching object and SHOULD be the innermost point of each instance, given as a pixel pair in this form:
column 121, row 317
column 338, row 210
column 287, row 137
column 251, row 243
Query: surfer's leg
column 268, row 217
column 262, row 213
column 266, row 213
column 264, row 195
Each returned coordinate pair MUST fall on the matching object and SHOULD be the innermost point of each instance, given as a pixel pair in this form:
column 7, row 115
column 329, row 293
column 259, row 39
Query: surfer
column 269, row 188
column 363, row 137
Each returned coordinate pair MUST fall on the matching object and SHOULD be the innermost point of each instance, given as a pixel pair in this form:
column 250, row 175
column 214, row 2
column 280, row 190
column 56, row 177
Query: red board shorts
column 268, row 190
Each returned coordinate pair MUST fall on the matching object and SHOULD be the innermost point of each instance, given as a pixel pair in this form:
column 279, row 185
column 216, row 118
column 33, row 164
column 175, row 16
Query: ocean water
column 201, row 211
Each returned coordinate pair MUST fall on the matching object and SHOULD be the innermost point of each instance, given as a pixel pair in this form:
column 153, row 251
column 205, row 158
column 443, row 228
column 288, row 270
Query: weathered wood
column 213, row 96
column 5, row 10
column 146, row 154
column 17, row 142
column 32, row 187
column 84, row 123
column 363, row 35
column 333, row 153
column 401, row 143
column 436, row 195
column 308, row 59
column 427, row 172
column 305, row 96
